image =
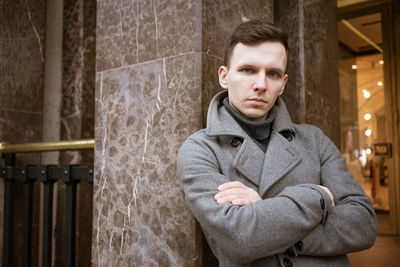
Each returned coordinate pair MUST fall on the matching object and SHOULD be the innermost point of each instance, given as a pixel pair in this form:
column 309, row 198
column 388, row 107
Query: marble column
column 76, row 120
column 312, row 92
column 22, row 31
column 219, row 19
column 148, row 100
column 156, row 71
column 21, row 67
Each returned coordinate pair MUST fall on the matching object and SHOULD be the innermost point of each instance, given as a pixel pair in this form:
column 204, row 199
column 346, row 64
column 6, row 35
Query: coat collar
column 220, row 122
column 261, row 169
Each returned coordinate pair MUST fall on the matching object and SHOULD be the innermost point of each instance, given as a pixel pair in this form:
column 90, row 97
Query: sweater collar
column 260, row 130
column 220, row 122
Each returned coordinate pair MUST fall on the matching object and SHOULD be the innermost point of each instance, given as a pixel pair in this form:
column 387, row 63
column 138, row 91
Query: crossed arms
column 245, row 227
column 238, row 194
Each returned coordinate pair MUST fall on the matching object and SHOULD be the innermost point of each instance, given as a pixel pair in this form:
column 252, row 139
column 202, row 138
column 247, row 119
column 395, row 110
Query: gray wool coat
column 294, row 223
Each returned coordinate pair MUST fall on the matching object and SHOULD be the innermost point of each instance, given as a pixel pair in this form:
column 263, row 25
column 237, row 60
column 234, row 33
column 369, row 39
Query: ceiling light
column 380, row 83
column 380, row 62
column 367, row 94
column 368, row 132
column 354, row 67
column 367, row 116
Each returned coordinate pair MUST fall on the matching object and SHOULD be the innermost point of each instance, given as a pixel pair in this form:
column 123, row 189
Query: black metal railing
column 70, row 175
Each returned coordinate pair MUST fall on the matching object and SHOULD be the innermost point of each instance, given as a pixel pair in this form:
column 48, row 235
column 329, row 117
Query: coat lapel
column 249, row 161
column 261, row 169
column 279, row 159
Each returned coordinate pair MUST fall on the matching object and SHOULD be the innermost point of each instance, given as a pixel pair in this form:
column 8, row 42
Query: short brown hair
column 254, row 32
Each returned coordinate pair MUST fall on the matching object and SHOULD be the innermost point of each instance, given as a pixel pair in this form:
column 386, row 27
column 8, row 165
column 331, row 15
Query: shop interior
column 365, row 111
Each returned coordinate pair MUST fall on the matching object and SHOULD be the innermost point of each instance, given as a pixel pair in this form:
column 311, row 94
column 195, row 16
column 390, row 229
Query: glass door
column 365, row 111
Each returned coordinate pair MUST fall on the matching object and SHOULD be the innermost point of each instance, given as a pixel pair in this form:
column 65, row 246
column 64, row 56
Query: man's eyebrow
column 246, row 66
column 278, row 70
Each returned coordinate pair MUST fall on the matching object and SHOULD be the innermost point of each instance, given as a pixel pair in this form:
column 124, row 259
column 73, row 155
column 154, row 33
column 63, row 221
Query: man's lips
column 257, row 100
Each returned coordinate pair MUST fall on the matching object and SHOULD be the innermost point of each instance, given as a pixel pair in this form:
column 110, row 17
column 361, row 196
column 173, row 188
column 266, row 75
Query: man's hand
column 330, row 195
column 236, row 193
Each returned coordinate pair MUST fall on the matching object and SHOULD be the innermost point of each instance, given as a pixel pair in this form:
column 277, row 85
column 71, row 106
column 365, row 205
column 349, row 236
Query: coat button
column 288, row 135
column 290, row 252
column 287, row 262
column 322, row 202
column 235, row 141
column 299, row 246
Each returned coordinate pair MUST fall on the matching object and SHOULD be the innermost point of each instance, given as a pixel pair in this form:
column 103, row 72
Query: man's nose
column 260, row 82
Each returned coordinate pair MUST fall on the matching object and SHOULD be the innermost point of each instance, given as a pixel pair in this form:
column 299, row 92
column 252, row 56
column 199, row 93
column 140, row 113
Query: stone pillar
column 52, row 95
column 312, row 92
column 157, row 67
column 219, row 20
column 22, row 36
column 148, row 100
column 22, row 33
column 76, row 121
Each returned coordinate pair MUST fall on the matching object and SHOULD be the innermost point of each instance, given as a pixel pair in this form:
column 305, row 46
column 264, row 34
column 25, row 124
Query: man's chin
column 255, row 116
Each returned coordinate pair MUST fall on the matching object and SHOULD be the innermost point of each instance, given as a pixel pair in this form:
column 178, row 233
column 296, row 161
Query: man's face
column 255, row 78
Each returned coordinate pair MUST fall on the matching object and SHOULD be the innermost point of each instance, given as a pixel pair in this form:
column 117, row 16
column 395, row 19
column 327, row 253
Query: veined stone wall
column 156, row 72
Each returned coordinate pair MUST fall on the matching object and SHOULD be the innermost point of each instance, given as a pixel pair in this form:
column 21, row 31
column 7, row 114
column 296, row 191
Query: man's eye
column 273, row 74
column 247, row 70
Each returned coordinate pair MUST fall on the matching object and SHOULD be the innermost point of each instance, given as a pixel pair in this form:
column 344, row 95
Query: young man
column 268, row 192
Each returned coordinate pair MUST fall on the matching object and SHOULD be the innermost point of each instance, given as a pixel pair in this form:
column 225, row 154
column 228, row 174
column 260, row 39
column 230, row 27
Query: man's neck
column 258, row 131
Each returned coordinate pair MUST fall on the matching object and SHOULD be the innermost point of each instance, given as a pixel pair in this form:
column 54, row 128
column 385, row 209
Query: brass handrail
column 47, row 146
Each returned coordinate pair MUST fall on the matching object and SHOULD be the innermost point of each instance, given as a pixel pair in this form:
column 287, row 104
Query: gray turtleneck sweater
column 259, row 132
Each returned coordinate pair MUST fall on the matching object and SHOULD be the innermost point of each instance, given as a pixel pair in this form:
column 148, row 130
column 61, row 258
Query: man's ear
column 285, row 79
column 222, row 74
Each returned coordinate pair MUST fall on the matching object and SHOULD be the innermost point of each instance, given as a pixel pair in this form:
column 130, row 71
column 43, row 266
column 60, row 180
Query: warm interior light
column 354, row 67
column 367, row 94
column 380, row 83
column 363, row 157
column 369, row 151
column 380, row 62
column 367, row 116
column 368, row 132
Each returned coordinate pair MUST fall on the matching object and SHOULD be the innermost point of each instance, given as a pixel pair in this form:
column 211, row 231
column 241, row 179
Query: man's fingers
column 230, row 192
column 236, row 193
column 235, row 200
column 230, row 185
column 241, row 202
column 227, row 199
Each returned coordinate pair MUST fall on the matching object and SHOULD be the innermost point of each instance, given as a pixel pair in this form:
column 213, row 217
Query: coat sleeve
column 250, row 232
column 351, row 224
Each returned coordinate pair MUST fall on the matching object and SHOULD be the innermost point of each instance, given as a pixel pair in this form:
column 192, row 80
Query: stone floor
column 385, row 252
